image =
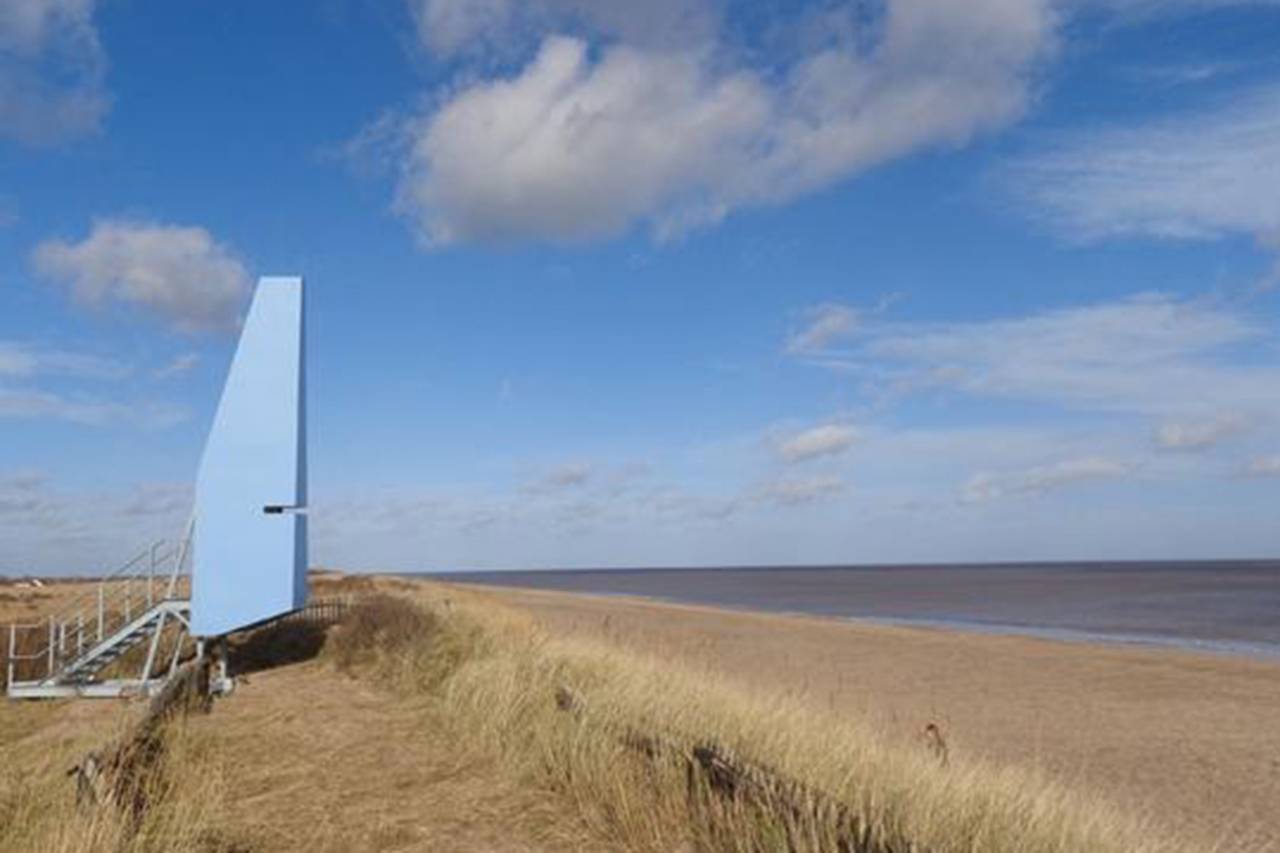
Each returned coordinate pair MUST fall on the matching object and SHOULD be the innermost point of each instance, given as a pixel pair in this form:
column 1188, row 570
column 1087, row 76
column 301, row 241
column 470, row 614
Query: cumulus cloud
column 824, row 440
column 51, row 71
column 1198, row 435
column 180, row 273
column 586, row 140
column 987, row 486
column 1199, row 175
column 825, row 324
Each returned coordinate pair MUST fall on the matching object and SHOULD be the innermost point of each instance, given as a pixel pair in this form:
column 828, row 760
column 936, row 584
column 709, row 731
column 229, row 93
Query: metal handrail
column 122, row 575
column 111, row 605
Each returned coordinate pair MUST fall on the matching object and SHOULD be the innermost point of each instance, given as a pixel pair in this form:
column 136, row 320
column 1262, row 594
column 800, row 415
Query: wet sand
column 1191, row 739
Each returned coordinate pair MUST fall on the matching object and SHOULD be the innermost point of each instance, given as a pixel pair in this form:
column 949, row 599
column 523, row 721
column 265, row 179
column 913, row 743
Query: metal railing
column 323, row 611
column 40, row 651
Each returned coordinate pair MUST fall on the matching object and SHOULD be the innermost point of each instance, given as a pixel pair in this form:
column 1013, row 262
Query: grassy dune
column 592, row 741
column 497, row 677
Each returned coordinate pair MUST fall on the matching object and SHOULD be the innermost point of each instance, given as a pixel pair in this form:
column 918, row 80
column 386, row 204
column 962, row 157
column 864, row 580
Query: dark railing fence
column 324, row 611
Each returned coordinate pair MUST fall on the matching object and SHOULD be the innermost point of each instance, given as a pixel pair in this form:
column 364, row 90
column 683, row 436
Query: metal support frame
column 67, row 665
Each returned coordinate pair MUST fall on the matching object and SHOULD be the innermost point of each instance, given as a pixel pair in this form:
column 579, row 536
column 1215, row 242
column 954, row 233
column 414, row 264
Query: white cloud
column 156, row 499
column 451, row 27
column 1264, row 466
column 27, row 26
column 1198, row 435
column 825, row 440
column 1139, row 11
column 41, row 383
column 566, row 476
column 584, row 143
column 178, row 272
column 1185, row 73
column 51, row 71
column 1202, row 174
column 180, row 365
column 826, row 324
column 19, row 360
column 1036, row 481
column 35, row 403
column 1151, row 354
column 49, row 527
column 447, row 27
column 796, row 492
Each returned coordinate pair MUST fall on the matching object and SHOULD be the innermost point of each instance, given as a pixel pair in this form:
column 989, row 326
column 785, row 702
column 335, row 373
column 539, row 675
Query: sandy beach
column 1192, row 740
column 1189, row 741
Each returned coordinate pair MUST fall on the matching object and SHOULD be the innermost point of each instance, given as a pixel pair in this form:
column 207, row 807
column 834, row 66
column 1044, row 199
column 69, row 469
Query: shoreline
column 1215, row 648
column 1182, row 735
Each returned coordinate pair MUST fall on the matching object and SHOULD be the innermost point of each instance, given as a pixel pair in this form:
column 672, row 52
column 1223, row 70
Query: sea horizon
column 1227, row 607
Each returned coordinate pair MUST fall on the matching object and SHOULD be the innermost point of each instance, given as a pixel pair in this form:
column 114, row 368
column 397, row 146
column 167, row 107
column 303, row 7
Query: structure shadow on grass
column 275, row 645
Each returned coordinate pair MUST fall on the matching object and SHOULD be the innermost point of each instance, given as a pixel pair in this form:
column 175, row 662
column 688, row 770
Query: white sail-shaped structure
column 246, row 545
column 249, row 554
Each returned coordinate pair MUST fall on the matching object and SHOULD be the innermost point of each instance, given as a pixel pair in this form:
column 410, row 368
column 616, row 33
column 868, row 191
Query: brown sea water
column 1220, row 606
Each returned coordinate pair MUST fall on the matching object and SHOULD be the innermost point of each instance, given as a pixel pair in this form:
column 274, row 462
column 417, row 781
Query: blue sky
column 695, row 284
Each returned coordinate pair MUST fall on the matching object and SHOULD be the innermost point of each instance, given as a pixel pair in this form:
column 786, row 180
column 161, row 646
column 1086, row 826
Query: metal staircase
column 145, row 603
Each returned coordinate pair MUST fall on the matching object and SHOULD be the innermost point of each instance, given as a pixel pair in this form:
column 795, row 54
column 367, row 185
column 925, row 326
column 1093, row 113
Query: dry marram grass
column 497, row 676
column 528, row 741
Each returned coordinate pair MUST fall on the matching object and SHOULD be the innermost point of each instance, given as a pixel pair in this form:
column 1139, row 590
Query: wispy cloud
column 90, row 530
column 180, row 365
column 180, row 273
column 29, row 403
column 568, row 475
column 1198, row 174
column 1185, row 73
column 1160, row 381
column 1151, row 354
column 824, row 325
column 1141, row 11
column 824, row 440
column 799, row 491
column 156, row 499
column 1199, row 435
column 988, row 486
column 22, row 360
column 39, row 382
